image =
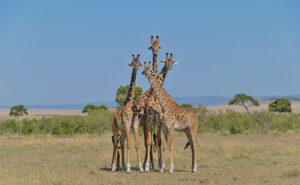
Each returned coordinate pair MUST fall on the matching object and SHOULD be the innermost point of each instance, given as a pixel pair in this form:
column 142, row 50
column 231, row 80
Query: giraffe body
column 153, row 116
column 123, row 119
column 174, row 117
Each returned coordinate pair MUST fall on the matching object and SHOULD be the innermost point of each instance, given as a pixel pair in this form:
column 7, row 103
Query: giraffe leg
column 127, row 131
column 148, row 147
column 194, row 150
column 165, row 143
column 115, row 145
column 170, row 137
column 118, row 158
column 136, row 137
column 119, row 151
column 151, row 155
column 123, row 150
column 192, row 140
column 145, row 143
column 113, row 163
column 158, row 145
column 151, row 147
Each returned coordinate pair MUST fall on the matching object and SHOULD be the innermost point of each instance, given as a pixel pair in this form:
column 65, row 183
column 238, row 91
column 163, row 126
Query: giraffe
column 143, row 99
column 124, row 118
column 153, row 111
column 173, row 117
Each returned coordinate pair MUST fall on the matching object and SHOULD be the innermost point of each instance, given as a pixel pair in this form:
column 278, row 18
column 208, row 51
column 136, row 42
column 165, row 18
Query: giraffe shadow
column 119, row 170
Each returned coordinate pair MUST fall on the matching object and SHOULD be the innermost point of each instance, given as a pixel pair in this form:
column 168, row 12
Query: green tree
column 122, row 93
column 280, row 105
column 89, row 107
column 18, row 110
column 187, row 105
column 244, row 100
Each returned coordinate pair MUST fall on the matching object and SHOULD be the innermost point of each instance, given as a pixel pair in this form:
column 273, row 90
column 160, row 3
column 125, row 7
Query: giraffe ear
column 175, row 62
column 162, row 61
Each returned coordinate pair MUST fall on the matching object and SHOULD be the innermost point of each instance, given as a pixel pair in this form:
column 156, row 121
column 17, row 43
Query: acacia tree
column 122, row 93
column 91, row 107
column 244, row 100
column 18, row 110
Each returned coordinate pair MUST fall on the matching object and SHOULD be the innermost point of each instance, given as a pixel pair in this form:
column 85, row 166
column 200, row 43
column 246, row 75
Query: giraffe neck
column 154, row 63
column 163, row 97
column 163, row 73
column 131, row 90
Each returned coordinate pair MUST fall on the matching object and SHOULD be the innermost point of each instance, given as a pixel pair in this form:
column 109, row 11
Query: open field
column 85, row 159
column 39, row 113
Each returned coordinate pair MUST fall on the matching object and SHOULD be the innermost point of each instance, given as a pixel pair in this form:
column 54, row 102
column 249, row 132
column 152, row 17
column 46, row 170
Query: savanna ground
column 85, row 159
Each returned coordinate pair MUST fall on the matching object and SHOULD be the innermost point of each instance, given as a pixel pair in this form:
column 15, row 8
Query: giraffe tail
column 154, row 142
column 187, row 145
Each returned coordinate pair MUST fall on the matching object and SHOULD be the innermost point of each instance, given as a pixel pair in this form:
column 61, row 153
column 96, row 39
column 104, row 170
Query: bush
column 258, row 122
column 280, row 105
column 186, row 105
column 96, row 122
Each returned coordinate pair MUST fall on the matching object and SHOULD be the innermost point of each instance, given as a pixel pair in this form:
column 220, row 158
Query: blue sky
column 60, row 52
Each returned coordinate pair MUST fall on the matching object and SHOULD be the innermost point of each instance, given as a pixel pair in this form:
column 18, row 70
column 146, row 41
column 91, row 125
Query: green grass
column 85, row 159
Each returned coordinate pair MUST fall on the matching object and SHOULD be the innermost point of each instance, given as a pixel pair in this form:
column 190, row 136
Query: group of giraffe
column 154, row 107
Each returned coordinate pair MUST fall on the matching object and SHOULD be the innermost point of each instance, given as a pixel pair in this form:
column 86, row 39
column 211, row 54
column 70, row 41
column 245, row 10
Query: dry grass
column 85, row 159
column 39, row 113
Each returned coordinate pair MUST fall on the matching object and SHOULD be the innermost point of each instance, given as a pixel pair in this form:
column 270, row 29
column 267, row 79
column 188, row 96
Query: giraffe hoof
column 171, row 171
column 147, row 167
column 161, row 170
column 194, row 169
column 113, row 169
column 128, row 168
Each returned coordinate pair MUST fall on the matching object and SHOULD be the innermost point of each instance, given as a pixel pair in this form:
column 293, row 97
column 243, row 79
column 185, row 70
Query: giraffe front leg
column 148, row 148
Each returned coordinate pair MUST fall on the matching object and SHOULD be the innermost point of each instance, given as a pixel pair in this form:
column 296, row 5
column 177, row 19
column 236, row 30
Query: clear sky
column 61, row 52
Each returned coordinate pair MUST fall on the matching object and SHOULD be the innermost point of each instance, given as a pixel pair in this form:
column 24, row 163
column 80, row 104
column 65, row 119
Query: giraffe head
column 150, row 75
column 147, row 69
column 155, row 45
column 169, row 61
column 135, row 62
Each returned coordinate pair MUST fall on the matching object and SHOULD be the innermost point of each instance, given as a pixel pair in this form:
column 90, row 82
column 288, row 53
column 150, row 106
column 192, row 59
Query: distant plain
column 39, row 113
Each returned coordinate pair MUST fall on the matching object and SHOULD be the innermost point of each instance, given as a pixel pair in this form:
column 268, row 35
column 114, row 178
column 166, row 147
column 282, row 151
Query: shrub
column 280, row 105
column 187, row 105
column 96, row 122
